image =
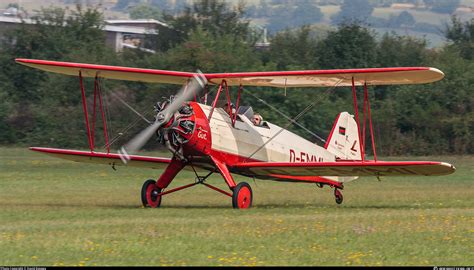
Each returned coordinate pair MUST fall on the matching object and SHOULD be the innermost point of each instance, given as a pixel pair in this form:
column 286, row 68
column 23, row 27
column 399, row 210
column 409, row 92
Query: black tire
column 151, row 201
column 242, row 196
column 338, row 195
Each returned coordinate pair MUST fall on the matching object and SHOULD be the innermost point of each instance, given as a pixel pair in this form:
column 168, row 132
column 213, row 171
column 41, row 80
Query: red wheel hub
column 244, row 197
column 152, row 196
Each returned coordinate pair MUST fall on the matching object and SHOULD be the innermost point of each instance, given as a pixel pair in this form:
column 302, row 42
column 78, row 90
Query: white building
column 119, row 34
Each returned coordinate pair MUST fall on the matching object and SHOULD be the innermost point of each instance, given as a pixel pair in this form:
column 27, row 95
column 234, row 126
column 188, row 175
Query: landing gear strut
column 338, row 196
column 152, row 191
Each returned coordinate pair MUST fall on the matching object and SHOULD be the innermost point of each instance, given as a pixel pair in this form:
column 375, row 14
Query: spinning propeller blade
column 188, row 91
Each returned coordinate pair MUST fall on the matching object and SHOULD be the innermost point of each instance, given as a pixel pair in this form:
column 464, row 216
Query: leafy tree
column 54, row 36
column 353, row 11
column 294, row 49
column 350, row 46
column 145, row 11
column 397, row 51
column 462, row 36
column 13, row 5
column 456, row 101
column 215, row 17
column 435, row 118
column 205, row 52
column 161, row 4
column 46, row 108
column 304, row 13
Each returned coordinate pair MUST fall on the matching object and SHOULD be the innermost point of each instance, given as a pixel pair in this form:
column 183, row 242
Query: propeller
column 194, row 86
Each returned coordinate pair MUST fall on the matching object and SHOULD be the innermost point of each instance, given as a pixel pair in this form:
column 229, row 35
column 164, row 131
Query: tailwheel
column 242, row 196
column 150, row 193
column 338, row 196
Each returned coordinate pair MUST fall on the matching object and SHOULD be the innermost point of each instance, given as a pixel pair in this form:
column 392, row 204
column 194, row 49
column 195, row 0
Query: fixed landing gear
column 152, row 194
column 150, row 197
column 152, row 190
column 242, row 196
column 338, row 196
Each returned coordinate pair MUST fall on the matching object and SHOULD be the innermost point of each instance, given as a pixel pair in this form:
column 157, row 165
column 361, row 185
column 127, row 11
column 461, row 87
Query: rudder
column 344, row 140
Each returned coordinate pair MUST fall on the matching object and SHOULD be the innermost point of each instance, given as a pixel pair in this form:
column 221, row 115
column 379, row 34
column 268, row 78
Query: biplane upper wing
column 304, row 78
column 109, row 72
column 333, row 77
column 343, row 168
column 105, row 158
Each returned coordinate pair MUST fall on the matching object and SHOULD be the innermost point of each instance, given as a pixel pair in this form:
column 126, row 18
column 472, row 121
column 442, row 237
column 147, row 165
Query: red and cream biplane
column 226, row 140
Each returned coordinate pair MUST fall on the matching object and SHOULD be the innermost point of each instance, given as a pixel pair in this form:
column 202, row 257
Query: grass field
column 56, row 212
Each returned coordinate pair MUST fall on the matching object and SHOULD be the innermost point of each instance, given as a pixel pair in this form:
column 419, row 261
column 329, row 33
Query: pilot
column 257, row 120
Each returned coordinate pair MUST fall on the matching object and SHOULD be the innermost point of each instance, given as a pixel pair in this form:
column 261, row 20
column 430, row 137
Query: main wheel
column 242, row 196
column 338, row 196
column 150, row 193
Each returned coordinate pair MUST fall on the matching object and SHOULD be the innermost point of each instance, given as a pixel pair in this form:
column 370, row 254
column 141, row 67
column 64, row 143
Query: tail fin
column 344, row 141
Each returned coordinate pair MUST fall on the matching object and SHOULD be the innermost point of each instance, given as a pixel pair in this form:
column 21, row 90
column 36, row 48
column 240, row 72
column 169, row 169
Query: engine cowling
column 187, row 133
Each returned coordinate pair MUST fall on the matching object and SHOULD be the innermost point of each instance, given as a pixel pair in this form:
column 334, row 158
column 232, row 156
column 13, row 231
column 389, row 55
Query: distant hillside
column 415, row 17
column 425, row 19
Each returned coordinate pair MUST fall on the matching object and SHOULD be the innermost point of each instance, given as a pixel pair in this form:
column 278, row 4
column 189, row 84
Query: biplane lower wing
column 105, row 158
column 299, row 171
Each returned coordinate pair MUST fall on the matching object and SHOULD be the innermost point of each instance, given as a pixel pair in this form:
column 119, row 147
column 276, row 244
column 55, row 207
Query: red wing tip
column 26, row 61
column 46, row 149
column 35, row 148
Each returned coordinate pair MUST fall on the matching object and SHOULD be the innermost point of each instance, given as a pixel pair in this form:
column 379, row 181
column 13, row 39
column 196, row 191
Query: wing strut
column 356, row 110
column 366, row 114
column 367, row 107
column 97, row 94
column 233, row 114
column 216, row 98
column 86, row 115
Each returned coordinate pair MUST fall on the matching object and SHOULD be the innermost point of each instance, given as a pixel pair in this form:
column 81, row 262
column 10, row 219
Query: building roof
column 108, row 28
column 9, row 19
column 140, row 21
column 130, row 29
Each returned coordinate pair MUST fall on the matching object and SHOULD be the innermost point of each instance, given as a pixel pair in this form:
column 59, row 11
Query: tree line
column 45, row 109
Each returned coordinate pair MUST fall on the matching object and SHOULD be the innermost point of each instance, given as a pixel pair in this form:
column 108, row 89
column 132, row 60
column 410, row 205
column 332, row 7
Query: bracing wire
column 127, row 128
column 132, row 109
column 304, row 111
column 286, row 116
